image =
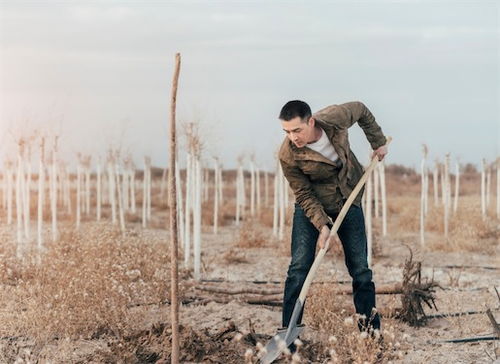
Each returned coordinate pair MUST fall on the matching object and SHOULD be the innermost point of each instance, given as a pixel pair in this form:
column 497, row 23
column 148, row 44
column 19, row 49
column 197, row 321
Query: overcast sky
column 99, row 73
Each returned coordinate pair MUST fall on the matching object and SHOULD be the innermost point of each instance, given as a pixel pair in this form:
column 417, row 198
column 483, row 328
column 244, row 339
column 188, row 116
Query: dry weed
column 85, row 283
column 251, row 236
column 234, row 256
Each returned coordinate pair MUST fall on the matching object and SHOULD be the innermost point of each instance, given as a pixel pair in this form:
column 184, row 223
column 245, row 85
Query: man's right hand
column 324, row 239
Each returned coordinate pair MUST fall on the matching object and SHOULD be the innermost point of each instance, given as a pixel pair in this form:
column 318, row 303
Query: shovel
column 275, row 347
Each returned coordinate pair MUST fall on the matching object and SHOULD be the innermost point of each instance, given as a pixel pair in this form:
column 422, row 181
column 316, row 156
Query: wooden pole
column 422, row 196
column 173, row 219
column 179, row 201
column 19, row 215
column 78, row 193
column 132, row 188
column 281, row 202
column 54, row 192
column 216, row 194
column 257, row 189
column 275, row 203
column 111, row 188
column 120, row 199
column 238, row 192
column 266, row 188
column 446, row 181
column 197, row 217
column 10, row 186
column 457, row 187
column 252, row 186
column 220, row 194
column 498, row 188
column 187, row 212
column 98, row 186
column 483, row 189
column 435, row 176
column 87, row 184
column 41, row 180
column 27, row 193
column 488, row 185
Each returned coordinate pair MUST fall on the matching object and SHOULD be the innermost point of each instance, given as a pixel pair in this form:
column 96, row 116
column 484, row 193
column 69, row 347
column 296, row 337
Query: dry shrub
column 227, row 212
column 468, row 231
column 251, row 235
column 266, row 217
column 415, row 293
column 85, row 283
column 234, row 256
column 329, row 314
column 404, row 211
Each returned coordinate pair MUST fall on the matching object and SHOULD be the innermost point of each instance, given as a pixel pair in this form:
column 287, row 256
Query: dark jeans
column 353, row 237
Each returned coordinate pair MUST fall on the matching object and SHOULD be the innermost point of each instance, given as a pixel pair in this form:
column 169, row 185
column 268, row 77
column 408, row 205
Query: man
column 322, row 172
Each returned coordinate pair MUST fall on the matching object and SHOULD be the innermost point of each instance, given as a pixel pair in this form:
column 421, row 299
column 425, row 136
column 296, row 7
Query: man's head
column 297, row 122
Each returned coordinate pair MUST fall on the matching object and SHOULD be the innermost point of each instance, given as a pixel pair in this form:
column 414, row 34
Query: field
column 100, row 295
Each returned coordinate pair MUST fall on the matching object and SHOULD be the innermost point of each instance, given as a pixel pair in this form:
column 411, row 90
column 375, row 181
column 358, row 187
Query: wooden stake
column 446, row 194
column 41, row 180
column 173, row 219
column 483, row 189
column 98, row 187
column 281, row 202
column 78, row 193
column 435, row 176
column 423, row 196
column 457, row 187
column 216, row 195
column 275, row 203
column 498, row 188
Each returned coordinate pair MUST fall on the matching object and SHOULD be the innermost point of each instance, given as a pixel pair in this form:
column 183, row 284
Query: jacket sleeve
column 304, row 195
column 345, row 115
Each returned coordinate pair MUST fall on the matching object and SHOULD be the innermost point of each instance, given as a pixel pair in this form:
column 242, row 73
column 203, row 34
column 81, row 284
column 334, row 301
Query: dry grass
column 332, row 315
column 468, row 231
column 84, row 284
column 234, row 256
column 251, row 235
column 87, row 282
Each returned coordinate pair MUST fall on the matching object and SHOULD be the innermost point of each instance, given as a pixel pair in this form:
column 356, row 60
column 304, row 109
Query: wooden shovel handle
column 336, row 225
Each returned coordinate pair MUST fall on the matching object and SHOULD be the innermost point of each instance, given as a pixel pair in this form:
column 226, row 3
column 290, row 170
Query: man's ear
column 311, row 122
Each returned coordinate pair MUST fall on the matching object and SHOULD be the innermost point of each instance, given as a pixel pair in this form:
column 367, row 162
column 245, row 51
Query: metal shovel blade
column 273, row 350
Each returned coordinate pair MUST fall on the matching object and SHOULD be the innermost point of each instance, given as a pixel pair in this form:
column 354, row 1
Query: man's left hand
column 380, row 152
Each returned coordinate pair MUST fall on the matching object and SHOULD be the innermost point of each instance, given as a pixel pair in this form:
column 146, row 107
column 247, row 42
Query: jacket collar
column 306, row 153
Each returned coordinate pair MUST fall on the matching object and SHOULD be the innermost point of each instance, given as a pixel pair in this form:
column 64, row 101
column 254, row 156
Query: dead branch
column 415, row 293
column 381, row 289
column 234, row 291
column 221, row 280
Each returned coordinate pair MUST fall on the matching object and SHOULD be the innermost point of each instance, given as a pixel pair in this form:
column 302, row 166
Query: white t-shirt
column 324, row 147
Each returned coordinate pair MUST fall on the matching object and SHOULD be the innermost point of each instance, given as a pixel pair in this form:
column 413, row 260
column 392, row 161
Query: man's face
column 299, row 132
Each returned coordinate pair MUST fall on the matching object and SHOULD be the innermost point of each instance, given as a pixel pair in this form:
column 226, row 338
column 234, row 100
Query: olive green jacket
column 320, row 185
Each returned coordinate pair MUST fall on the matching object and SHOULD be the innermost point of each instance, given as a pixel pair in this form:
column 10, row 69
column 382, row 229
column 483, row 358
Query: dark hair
column 295, row 108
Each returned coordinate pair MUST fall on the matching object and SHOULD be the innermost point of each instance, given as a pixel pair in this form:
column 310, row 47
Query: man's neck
column 317, row 134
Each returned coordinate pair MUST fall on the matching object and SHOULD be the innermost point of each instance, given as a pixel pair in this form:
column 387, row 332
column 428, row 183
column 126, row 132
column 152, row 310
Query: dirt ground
column 464, row 289
column 114, row 304
column 209, row 329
